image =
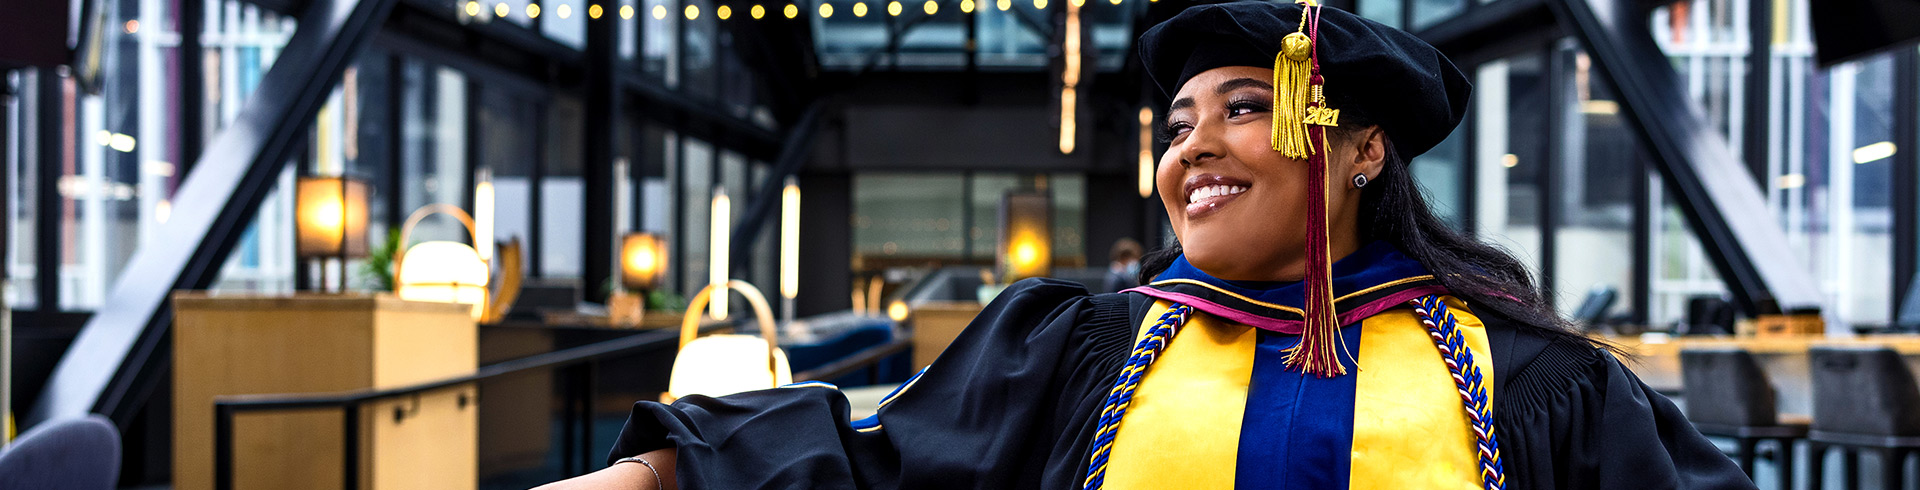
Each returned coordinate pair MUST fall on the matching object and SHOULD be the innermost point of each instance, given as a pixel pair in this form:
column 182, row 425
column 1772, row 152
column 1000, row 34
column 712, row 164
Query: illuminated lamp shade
column 441, row 271
column 643, row 260
column 1026, row 233
column 720, row 365
column 330, row 217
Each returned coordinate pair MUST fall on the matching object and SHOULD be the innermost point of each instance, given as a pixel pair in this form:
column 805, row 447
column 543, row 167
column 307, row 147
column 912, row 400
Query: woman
column 1316, row 327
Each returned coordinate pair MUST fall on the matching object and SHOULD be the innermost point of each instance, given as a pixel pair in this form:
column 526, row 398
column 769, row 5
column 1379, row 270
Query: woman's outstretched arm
column 625, row 476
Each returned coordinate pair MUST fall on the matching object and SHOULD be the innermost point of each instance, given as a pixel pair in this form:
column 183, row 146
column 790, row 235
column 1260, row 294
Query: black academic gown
column 1013, row 402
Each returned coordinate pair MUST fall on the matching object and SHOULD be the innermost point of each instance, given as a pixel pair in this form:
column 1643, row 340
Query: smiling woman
column 1316, row 326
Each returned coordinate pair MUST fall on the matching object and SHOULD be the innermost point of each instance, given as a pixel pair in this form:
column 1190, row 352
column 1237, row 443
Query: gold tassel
column 1292, row 70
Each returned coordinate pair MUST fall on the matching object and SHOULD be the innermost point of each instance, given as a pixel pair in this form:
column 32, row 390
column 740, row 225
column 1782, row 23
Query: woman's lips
column 1206, row 200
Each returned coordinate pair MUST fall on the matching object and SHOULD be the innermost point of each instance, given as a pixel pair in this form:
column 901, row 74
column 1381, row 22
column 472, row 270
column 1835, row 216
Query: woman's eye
column 1165, row 134
column 1243, row 108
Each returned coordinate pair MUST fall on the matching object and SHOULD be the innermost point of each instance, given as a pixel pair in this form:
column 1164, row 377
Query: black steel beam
column 51, row 109
column 123, row 346
column 602, row 104
column 1753, row 146
column 193, row 84
column 1906, row 178
column 1561, row 99
column 1714, row 189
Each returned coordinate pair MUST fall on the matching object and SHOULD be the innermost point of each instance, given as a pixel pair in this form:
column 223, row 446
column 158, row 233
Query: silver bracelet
column 657, row 482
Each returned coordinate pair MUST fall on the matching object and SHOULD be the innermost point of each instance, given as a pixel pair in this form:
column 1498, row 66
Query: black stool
column 1728, row 395
column 1863, row 398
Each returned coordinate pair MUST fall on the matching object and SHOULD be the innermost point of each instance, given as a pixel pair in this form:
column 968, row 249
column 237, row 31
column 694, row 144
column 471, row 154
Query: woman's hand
column 625, row 476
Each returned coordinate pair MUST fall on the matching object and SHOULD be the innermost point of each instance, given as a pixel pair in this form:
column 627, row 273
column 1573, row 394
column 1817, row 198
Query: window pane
column 1382, row 11
column 984, row 228
column 1681, row 269
column 433, row 159
column 906, row 219
column 1835, row 194
column 660, row 55
column 23, row 135
column 508, row 150
column 1426, row 13
column 1069, row 193
column 561, row 207
column 571, row 29
column 1439, row 171
column 1512, row 150
column 1706, row 40
column 700, row 57
column 696, row 206
column 1599, row 158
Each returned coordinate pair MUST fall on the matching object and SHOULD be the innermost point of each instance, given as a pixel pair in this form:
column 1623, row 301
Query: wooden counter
column 936, row 324
column 250, row 344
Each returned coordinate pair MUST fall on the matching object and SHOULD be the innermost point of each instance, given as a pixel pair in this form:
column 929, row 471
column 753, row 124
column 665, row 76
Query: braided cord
column 1150, row 346
column 1441, row 326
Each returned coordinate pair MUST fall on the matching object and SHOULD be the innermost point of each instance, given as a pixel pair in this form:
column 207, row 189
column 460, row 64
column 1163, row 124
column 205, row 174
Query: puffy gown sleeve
column 1575, row 418
column 991, row 412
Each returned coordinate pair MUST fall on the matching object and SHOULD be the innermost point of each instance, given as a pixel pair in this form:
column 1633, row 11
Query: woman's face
column 1238, row 207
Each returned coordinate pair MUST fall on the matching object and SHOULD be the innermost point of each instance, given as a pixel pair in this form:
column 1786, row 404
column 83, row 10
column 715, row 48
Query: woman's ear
column 1370, row 152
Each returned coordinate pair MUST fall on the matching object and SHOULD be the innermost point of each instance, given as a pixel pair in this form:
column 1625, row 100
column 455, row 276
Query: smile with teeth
column 1212, row 191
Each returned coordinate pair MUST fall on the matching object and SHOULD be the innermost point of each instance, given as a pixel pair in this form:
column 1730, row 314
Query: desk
column 1784, row 360
column 254, row 344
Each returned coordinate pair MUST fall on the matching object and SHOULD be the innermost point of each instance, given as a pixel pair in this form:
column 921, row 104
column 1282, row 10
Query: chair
column 1728, row 395
column 1708, row 315
column 71, row 454
column 1593, row 309
column 1862, row 399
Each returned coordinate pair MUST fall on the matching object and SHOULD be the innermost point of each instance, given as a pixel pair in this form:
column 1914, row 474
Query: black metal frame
column 1906, row 177
column 46, row 192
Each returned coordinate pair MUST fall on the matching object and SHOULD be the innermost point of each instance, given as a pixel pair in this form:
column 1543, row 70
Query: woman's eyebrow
column 1183, row 103
column 1240, row 83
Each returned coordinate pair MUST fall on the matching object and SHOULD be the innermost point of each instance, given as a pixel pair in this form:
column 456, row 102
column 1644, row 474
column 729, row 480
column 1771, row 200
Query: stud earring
column 1359, row 180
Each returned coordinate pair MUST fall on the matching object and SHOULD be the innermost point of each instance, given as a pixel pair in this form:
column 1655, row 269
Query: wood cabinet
column 251, row 344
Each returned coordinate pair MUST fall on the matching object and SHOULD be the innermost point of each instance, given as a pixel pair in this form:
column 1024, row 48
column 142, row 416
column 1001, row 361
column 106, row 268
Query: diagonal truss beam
column 1714, row 190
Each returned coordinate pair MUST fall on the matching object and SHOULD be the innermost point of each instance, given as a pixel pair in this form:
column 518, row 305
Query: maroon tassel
column 1320, row 341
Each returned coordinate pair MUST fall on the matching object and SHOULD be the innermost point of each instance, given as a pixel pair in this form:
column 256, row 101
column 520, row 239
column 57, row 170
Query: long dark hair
column 1393, row 209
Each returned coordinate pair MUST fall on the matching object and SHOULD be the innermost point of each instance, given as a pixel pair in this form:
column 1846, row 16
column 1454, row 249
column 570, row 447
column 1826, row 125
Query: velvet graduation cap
column 1324, row 61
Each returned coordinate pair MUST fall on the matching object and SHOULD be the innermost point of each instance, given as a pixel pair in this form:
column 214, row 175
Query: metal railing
column 579, row 359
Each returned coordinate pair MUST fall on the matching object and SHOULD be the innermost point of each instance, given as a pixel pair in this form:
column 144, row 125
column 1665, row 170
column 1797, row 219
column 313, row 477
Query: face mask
column 1133, row 268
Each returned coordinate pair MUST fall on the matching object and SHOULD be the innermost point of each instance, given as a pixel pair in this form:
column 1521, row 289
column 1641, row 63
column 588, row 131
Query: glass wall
column 909, row 219
column 510, row 153
column 21, row 140
column 1511, row 153
column 696, row 208
column 921, row 219
column 1594, row 190
column 561, row 239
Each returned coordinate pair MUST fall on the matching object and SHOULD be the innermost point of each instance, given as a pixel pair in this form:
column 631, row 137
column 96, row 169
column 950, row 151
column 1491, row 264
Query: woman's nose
column 1201, row 145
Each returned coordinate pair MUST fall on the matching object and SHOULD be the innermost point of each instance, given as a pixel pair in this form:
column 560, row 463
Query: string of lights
column 596, row 11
